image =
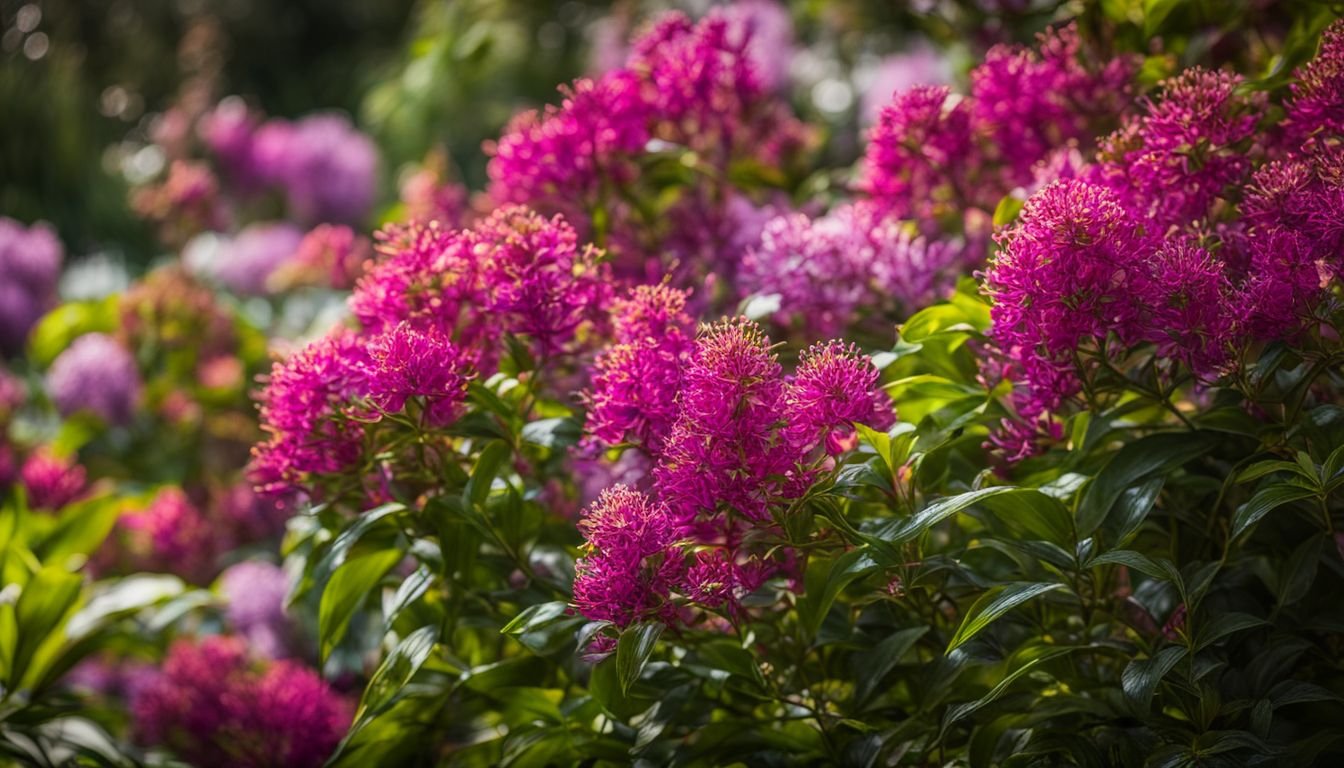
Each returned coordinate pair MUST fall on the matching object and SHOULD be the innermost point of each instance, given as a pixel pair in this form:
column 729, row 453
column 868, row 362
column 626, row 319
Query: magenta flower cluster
column 741, row 441
column 213, row 706
column 434, row 311
column 1174, row 240
column 934, row 154
column 686, row 86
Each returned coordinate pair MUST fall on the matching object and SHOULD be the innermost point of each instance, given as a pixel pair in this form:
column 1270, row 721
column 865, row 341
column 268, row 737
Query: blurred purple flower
column 30, row 264
column 245, row 263
column 98, row 375
column 256, row 592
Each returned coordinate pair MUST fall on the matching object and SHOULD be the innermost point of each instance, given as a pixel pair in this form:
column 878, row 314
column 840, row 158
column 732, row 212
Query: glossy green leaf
column 48, row 600
column 552, row 433
column 823, row 581
column 1141, row 676
column 1266, row 500
column 994, row 604
column 346, row 591
column 1153, row 455
column 488, row 466
column 633, row 649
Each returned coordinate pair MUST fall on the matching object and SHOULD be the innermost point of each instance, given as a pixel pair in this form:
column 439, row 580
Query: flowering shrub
column 1043, row 469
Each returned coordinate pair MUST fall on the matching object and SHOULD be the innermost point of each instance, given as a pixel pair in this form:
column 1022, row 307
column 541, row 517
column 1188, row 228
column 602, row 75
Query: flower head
column 247, row 262
column 98, row 375
column 300, row 409
column 834, row 388
column 212, row 706
column 30, row 263
column 51, row 481
column 724, row 450
column 629, row 564
column 169, row 535
column 406, row 363
column 1317, row 102
column 256, row 591
column 1069, row 273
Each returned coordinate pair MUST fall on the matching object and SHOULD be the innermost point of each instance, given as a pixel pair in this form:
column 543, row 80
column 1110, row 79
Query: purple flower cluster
column 255, row 591
column 327, row 170
column 212, row 706
column 30, row 264
column 247, row 262
column 98, row 375
column 933, row 154
column 744, row 440
column 434, row 311
column 1316, row 107
column 829, row 270
column 1190, row 145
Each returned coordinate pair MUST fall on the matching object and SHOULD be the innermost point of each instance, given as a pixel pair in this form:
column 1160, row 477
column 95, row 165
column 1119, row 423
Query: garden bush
column 1017, row 439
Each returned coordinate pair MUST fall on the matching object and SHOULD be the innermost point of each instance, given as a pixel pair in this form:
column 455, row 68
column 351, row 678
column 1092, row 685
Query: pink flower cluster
column 743, row 441
column 1174, row 240
column 686, row 86
column 329, row 256
column 933, row 154
column 213, row 706
column 52, row 481
column 434, row 311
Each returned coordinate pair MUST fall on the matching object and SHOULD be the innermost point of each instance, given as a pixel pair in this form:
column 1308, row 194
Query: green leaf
column 545, row 628
column 47, row 601
column 872, row 667
column 1291, row 692
column 348, row 538
column 347, row 590
column 962, row 711
column 395, row 672
column 121, row 597
column 1006, row 211
column 732, row 658
column 1155, row 12
column 410, row 590
column 559, row 432
column 901, row 531
column 1222, row 625
column 488, row 466
column 633, row 649
column 1266, row 500
column 1132, row 508
column 1149, row 456
column 1133, row 560
column 993, row 604
column 824, row 580
column 81, row 528
column 1262, row 468
column 1141, row 676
